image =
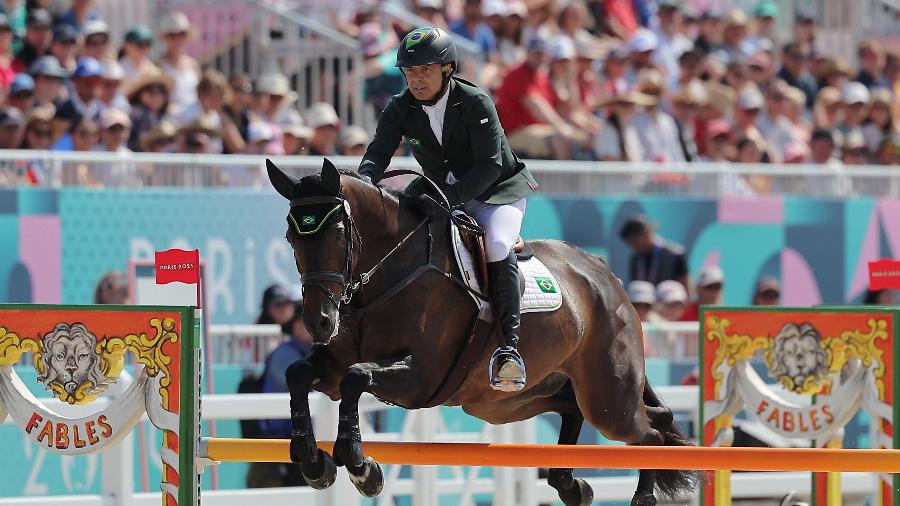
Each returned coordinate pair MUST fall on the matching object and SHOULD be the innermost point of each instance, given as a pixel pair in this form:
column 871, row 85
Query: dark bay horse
column 387, row 319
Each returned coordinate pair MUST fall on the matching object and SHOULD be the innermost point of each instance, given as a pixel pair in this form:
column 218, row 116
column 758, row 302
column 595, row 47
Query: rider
column 452, row 128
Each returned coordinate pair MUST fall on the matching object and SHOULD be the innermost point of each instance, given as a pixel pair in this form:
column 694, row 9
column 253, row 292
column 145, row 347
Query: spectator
column 21, row 93
column 880, row 121
column 685, row 105
column 259, row 135
column 213, row 92
column 48, row 75
column 85, row 135
column 324, row 121
column 795, row 113
column 525, row 105
column 115, row 127
column 572, row 20
column 710, row 286
column 15, row 12
column 566, row 92
column 618, row 139
column 854, row 150
column 277, row 97
column 749, row 104
column 643, row 297
column 296, row 137
column 200, row 136
column 719, row 147
column 66, row 46
column 111, row 289
column 149, row 100
column 772, row 123
column 822, row 147
column 159, row 139
column 12, row 124
column 510, row 39
column 767, row 292
column 587, row 80
column 828, row 111
column 111, row 90
column 614, row 69
column 656, row 128
column 641, row 47
column 96, row 40
column 37, row 40
column 884, row 297
column 671, row 43
column 38, row 135
column 87, row 84
column 710, row 38
column 733, row 35
column 176, row 31
column 277, row 306
column 805, row 30
column 889, row 151
column 856, row 101
column 654, row 259
column 7, row 74
column 472, row 27
column 796, row 153
column 297, row 346
column 794, row 60
column 78, row 14
column 353, row 141
column 764, row 21
column 688, row 69
column 871, row 61
column 736, row 76
column 832, row 71
column 134, row 55
column 671, row 300
column 238, row 110
column 759, row 67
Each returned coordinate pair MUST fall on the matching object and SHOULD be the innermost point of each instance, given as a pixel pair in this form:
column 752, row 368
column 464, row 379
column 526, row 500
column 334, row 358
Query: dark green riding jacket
column 474, row 147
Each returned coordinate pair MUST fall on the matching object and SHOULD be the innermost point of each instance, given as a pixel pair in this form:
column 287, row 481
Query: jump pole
column 581, row 456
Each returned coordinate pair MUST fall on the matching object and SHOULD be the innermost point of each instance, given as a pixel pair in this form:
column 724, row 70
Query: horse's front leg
column 385, row 378
column 317, row 466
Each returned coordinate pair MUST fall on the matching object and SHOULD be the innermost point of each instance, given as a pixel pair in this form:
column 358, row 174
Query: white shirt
column 436, row 115
column 659, row 136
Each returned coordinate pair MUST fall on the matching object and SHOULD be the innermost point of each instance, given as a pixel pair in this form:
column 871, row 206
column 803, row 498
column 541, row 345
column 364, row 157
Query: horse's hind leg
column 572, row 491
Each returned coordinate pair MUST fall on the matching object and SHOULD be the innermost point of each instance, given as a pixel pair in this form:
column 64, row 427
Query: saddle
column 475, row 245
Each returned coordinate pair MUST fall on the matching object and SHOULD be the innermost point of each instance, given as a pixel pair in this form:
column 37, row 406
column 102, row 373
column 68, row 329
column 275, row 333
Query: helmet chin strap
column 445, row 82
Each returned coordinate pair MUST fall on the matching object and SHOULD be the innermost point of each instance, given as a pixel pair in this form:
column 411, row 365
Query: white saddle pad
column 541, row 288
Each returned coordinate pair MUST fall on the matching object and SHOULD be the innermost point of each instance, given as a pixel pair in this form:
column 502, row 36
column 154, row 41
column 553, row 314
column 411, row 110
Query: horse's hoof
column 643, row 499
column 581, row 494
column 323, row 473
column 368, row 478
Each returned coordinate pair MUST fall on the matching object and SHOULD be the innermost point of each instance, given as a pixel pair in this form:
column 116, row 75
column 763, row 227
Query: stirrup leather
column 510, row 376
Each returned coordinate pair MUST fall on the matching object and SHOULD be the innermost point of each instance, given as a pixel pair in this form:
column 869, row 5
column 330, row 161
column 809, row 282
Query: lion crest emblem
column 70, row 364
column 798, row 359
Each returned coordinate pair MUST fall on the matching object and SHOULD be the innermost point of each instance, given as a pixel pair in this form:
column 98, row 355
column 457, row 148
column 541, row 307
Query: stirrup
column 510, row 376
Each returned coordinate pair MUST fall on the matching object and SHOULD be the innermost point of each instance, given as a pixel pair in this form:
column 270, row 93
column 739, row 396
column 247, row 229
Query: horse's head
column 322, row 233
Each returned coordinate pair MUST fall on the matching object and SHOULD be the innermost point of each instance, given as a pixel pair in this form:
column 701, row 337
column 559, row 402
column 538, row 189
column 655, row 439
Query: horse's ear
column 284, row 184
column 330, row 178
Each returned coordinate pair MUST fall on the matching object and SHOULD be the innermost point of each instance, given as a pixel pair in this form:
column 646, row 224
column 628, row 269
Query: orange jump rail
column 581, row 456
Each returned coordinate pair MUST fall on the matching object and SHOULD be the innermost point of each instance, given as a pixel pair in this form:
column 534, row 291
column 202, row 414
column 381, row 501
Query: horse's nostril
column 325, row 322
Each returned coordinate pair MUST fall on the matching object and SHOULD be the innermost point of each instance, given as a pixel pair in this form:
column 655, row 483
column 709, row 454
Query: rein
column 345, row 278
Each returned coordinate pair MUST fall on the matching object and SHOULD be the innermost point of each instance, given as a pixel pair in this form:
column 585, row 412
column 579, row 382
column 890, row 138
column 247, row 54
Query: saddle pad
column 541, row 288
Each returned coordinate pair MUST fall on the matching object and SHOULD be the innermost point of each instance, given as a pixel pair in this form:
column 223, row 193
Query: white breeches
column 501, row 224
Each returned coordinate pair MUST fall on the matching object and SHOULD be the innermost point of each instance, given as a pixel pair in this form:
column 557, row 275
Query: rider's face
column 424, row 81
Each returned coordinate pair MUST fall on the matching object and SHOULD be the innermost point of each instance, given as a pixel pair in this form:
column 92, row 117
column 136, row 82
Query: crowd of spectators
column 65, row 87
column 654, row 80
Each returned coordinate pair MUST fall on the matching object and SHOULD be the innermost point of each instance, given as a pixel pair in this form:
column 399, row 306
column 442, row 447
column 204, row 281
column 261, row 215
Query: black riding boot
column 505, row 301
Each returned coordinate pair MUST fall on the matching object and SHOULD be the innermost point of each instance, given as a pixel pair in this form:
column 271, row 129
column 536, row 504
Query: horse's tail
column 669, row 482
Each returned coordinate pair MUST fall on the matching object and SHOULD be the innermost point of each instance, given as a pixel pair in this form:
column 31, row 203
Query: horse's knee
column 355, row 381
column 300, row 375
column 561, row 479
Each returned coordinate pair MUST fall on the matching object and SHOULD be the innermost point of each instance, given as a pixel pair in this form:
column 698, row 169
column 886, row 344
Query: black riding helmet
column 424, row 46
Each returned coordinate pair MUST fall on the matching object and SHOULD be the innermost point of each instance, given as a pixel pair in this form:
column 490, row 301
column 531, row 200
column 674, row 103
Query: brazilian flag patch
column 546, row 285
column 309, row 220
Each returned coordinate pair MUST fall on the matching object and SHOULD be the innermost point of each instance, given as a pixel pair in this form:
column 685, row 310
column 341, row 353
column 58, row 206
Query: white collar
column 441, row 104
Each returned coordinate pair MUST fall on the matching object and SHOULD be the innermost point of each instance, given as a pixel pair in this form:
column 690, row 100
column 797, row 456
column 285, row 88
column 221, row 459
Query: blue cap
column 65, row 32
column 88, row 67
column 48, row 66
column 22, row 82
column 537, row 43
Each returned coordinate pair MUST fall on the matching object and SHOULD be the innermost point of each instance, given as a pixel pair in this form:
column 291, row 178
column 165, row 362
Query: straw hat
column 632, row 97
column 651, row 81
column 177, row 22
column 275, row 83
column 202, row 124
column 163, row 130
column 150, row 77
column 40, row 113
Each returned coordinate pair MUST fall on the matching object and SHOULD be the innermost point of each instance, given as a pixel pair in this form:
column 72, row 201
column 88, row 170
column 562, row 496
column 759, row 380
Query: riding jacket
column 474, row 147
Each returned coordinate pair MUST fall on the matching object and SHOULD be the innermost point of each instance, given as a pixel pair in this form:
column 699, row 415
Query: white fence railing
column 554, row 177
column 509, row 486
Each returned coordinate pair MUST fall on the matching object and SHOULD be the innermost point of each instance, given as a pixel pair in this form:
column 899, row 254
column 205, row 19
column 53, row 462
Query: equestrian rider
column 452, row 128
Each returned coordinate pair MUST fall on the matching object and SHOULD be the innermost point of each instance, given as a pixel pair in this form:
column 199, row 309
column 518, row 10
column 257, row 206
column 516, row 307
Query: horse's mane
column 311, row 186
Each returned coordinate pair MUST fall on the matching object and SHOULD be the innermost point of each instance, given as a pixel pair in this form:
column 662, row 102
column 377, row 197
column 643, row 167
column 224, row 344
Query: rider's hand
column 366, row 178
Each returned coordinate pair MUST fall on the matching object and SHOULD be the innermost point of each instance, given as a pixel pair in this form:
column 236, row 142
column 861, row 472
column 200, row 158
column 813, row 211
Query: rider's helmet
column 424, row 46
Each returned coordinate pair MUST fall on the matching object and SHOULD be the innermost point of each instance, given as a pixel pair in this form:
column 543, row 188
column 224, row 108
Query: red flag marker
column 178, row 265
column 884, row 274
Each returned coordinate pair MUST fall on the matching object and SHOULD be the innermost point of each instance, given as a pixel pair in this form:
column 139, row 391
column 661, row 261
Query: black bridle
column 344, row 278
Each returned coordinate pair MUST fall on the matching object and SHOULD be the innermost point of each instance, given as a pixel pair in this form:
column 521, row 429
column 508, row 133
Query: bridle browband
column 344, row 278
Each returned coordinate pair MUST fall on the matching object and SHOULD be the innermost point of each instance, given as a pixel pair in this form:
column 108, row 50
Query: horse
column 387, row 318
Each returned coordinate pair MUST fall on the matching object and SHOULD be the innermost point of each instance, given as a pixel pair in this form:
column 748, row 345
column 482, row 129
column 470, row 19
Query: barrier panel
column 78, row 352
column 837, row 359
